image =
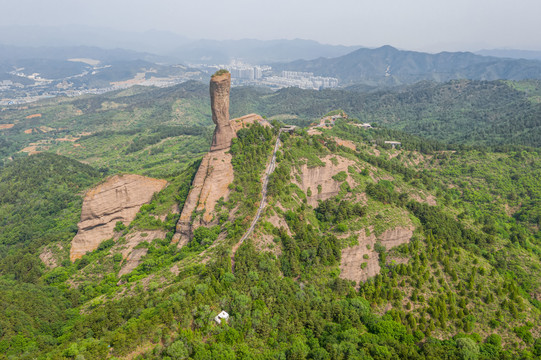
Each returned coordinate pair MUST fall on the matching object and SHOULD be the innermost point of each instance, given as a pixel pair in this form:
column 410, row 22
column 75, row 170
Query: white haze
column 426, row 25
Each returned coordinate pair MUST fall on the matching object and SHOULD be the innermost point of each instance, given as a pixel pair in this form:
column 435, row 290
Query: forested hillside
column 116, row 131
column 426, row 250
column 465, row 286
column 458, row 112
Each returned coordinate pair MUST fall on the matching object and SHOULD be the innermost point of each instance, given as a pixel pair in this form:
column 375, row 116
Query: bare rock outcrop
column 351, row 267
column 50, row 255
column 117, row 199
column 320, row 180
column 247, row 120
column 211, row 182
column 220, row 85
column 132, row 256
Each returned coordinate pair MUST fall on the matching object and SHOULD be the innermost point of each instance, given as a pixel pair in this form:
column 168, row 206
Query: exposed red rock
column 215, row 173
column 220, row 86
column 353, row 257
column 132, row 256
column 117, row 199
column 319, row 179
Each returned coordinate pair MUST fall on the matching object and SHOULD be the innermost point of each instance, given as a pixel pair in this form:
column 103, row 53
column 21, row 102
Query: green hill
column 387, row 66
column 428, row 250
column 466, row 112
column 466, row 285
column 115, row 131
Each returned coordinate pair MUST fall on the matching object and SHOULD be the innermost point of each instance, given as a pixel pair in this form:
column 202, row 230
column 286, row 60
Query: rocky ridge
column 211, row 182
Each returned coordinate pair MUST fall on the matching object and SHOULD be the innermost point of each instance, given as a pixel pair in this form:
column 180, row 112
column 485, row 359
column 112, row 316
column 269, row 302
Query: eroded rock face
column 132, row 256
column 211, row 182
column 49, row 255
column 209, row 185
column 220, row 86
column 117, row 199
column 248, row 120
column 319, row 179
column 353, row 257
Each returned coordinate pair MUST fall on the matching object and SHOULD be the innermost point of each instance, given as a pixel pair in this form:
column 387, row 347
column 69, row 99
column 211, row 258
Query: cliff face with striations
column 209, row 185
column 364, row 252
column 117, row 199
column 215, row 172
column 220, row 86
column 319, row 179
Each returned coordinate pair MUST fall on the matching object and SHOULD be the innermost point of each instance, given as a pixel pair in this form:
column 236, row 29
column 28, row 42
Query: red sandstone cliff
column 220, row 86
column 215, row 172
column 117, row 199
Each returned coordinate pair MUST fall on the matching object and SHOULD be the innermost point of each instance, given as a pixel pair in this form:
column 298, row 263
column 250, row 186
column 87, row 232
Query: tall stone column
column 220, row 85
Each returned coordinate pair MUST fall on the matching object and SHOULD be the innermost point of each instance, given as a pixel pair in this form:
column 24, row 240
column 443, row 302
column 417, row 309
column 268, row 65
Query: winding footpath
column 270, row 170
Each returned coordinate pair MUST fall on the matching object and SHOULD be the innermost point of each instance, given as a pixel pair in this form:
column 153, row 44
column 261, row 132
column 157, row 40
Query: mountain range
column 167, row 47
column 383, row 66
column 389, row 66
column 256, row 51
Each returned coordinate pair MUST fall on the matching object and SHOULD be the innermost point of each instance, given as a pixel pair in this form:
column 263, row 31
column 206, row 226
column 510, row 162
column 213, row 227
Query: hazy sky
column 429, row 25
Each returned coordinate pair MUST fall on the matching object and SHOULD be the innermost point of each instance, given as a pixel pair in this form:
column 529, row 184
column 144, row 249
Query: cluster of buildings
column 12, row 92
column 241, row 73
column 303, row 80
column 262, row 75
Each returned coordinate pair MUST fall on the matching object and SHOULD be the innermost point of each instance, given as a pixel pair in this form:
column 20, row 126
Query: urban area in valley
column 24, row 86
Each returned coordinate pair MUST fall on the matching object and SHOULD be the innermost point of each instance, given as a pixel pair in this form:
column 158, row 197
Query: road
column 270, row 170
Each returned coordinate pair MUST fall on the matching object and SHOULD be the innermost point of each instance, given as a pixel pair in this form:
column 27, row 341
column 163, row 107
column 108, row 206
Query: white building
column 223, row 315
column 393, row 143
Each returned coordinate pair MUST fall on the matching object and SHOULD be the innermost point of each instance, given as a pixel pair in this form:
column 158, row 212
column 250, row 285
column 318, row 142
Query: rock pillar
column 220, row 85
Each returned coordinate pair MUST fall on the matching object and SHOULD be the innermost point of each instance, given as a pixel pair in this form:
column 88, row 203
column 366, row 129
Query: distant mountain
column 389, row 66
column 153, row 41
column 13, row 53
column 163, row 43
column 512, row 53
column 256, row 51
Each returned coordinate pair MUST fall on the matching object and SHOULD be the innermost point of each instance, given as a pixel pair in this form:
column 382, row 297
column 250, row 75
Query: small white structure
column 393, row 143
column 364, row 125
column 289, row 128
column 220, row 316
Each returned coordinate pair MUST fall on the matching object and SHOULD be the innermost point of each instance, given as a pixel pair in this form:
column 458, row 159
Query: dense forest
column 458, row 112
column 464, row 284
